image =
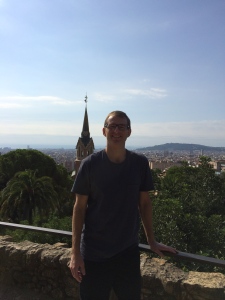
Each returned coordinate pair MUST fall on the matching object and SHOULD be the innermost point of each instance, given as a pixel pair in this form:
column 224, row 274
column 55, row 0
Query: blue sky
column 160, row 61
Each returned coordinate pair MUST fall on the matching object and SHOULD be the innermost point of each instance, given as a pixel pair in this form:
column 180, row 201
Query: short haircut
column 120, row 114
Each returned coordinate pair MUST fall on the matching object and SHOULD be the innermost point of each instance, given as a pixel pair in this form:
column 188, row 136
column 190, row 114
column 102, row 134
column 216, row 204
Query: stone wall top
column 43, row 268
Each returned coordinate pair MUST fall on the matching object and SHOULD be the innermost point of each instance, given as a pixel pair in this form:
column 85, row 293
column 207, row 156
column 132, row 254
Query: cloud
column 48, row 127
column 10, row 105
column 202, row 129
column 124, row 94
column 152, row 93
column 148, row 134
column 21, row 101
column 41, row 127
column 104, row 97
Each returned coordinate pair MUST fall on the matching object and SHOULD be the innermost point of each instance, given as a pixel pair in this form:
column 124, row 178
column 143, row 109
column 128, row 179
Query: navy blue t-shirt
column 112, row 216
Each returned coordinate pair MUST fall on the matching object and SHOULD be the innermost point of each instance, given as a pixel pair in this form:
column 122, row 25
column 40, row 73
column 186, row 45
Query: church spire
column 85, row 131
column 85, row 144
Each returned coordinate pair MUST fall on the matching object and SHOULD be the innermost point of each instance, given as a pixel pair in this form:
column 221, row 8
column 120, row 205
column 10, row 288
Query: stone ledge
column 43, row 269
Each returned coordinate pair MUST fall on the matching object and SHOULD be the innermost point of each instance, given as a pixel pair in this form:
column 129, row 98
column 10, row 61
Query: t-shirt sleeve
column 81, row 183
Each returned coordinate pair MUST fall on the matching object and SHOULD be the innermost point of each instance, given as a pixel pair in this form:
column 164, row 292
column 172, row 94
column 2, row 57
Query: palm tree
column 27, row 195
column 6, row 171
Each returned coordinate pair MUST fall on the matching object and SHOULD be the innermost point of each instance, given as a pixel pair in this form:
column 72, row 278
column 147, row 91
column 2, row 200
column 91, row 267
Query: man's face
column 116, row 131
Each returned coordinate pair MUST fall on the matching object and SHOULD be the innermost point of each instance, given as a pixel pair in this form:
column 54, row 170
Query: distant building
column 85, row 144
column 163, row 165
column 165, row 153
column 219, row 165
column 68, row 164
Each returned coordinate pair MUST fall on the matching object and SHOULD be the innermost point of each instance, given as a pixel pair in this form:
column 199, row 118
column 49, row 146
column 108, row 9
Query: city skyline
column 162, row 62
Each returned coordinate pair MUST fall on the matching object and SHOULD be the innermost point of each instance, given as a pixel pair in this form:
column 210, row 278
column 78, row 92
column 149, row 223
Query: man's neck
column 116, row 155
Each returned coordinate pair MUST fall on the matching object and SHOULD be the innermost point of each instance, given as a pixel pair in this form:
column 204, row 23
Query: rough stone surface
column 204, row 286
column 31, row 271
column 20, row 293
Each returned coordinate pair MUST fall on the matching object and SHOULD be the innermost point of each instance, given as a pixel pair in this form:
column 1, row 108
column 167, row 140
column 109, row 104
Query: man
column 111, row 189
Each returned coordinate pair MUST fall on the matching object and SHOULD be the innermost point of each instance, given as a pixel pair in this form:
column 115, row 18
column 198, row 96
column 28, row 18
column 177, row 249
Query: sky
column 160, row 61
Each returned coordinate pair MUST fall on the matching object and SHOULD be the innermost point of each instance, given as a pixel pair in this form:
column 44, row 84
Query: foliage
column 32, row 183
column 26, row 196
column 23, row 159
column 156, row 178
column 189, row 211
column 188, row 208
column 38, row 237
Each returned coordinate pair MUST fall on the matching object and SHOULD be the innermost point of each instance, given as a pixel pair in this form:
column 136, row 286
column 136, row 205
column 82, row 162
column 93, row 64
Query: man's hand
column 159, row 247
column 77, row 267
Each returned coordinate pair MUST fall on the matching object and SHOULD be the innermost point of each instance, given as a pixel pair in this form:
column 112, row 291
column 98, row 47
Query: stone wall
column 43, row 269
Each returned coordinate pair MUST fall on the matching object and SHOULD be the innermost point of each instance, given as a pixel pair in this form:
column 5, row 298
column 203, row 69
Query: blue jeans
column 121, row 273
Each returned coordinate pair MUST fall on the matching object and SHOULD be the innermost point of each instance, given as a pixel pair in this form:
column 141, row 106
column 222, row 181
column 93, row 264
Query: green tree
column 26, row 195
column 189, row 209
column 6, row 171
column 156, row 177
column 23, row 159
column 43, row 165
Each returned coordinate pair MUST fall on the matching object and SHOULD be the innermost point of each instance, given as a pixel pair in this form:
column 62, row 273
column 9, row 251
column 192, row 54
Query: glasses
column 121, row 127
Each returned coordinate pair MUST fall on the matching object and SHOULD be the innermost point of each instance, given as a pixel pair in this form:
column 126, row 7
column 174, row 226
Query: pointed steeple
column 85, row 144
column 85, row 131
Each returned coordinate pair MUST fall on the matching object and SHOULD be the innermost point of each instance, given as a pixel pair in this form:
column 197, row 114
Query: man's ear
column 129, row 133
column 103, row 131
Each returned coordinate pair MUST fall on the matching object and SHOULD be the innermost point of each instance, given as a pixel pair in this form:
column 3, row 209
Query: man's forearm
column 77, row 266
column 77, row 226
column 145, row 208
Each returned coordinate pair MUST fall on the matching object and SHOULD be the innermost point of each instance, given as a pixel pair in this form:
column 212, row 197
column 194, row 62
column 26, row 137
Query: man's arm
column 145, row 208
column 76, row 263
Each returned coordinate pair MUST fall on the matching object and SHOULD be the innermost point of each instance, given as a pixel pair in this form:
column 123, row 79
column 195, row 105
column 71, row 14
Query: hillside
column 181, row 147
